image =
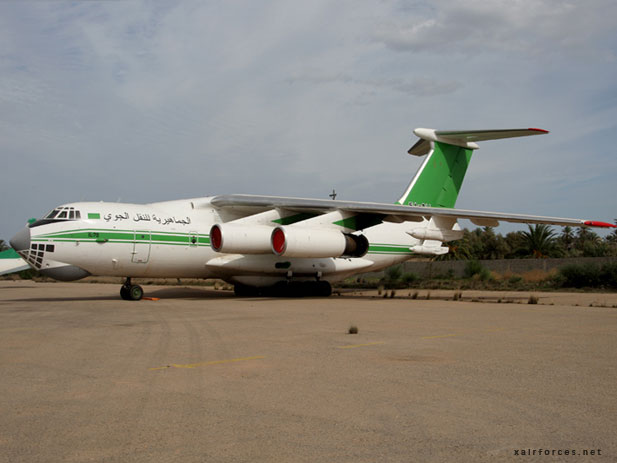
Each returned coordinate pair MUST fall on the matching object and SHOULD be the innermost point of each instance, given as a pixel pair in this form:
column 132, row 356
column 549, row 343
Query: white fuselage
column 171, row 239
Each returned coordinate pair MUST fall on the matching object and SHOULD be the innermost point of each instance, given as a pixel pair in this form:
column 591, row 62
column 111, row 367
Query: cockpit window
column 59, row 214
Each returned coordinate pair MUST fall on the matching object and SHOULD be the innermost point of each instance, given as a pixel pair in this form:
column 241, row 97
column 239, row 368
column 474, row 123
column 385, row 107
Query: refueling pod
column 436, row 234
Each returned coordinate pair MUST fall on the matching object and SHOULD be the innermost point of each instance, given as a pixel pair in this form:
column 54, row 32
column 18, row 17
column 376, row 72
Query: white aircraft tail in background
column 268, row 244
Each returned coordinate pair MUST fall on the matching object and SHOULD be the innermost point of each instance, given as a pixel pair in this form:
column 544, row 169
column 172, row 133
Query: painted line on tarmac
column 440, row 336
column 203, row 364
column 353, row 346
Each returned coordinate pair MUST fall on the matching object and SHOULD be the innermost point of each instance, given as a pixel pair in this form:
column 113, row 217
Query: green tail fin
column 440, row 177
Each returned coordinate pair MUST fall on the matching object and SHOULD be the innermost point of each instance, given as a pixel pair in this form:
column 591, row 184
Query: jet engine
column 241, row 239
column 317, row 242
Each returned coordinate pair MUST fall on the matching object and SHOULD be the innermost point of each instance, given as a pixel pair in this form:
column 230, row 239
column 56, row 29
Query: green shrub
column 474, row 269
column 29, row 274
column 409, row 278
column 588, row 276
column 608, row 275
column 580, row 276
column 515, row 279
column 394, row 273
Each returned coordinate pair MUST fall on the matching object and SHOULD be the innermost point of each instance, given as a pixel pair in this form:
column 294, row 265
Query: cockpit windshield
column 67, row 213
column 59, row 214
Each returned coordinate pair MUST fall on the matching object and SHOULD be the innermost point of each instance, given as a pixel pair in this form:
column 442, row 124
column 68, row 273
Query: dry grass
column 537, row 276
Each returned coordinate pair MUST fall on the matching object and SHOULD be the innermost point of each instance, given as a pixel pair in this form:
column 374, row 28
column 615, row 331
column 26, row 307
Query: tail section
column 440, row 177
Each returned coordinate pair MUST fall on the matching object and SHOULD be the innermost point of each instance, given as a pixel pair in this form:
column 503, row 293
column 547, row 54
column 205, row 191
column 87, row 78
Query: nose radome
column 21, row 240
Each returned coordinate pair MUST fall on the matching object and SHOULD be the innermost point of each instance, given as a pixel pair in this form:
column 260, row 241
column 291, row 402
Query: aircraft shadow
column 165, row 293
column 187, row 293
column 65, row 299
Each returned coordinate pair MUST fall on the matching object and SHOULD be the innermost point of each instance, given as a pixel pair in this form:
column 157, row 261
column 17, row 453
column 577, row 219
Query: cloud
column 533, row 27
column 422, row 86
column 155, row 100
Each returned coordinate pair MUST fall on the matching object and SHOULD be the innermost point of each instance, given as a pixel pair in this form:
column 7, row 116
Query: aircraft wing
column 10, row 262
column 390, row 212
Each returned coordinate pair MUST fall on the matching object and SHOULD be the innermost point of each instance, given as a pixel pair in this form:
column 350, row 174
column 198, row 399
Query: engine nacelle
column 316, row 242
column 241, row 239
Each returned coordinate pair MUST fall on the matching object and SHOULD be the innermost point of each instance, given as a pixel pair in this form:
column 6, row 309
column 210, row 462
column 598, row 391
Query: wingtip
column 596, row 223
column 535, row 129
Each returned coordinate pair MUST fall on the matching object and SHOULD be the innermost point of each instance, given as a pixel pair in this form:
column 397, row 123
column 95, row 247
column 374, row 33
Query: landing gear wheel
column 130, row 292
column 136, row 293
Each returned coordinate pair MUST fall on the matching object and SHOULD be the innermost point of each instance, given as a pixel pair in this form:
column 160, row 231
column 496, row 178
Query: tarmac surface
column 201, row 375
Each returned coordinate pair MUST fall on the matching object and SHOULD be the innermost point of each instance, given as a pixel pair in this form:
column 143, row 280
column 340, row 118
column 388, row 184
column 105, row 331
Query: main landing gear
column 130, row 292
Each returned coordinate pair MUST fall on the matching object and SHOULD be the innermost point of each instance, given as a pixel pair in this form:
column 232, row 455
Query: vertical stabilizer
column 440, row 177
column 448, row 154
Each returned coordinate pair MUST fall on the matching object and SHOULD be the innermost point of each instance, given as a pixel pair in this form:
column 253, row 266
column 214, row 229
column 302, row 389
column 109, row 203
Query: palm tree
column 612, row 238
column 567, row 238
column 459, row 250
column 539, row 241
column 589, row 244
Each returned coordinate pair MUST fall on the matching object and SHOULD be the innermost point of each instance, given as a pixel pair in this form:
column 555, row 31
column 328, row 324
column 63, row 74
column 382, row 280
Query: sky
column 144, row 101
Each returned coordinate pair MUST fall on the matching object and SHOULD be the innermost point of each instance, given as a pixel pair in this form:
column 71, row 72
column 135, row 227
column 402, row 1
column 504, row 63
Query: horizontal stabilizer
column 465, row 138
column 10, row 262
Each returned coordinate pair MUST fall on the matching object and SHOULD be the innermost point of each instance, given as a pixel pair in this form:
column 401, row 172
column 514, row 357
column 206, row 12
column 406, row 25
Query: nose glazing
column 21, row 240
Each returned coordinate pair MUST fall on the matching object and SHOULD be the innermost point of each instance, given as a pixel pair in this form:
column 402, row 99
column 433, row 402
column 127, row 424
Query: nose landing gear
column 131, row 292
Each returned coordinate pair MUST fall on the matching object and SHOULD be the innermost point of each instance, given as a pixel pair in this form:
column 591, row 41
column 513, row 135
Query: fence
column 426, row 268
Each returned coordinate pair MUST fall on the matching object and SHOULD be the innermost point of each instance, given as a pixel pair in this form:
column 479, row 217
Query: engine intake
column 317, row 242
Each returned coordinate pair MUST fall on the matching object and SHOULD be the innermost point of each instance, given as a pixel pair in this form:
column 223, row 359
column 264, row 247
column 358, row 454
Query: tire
column 324, row 289
column 124, row 293
column 136, row 293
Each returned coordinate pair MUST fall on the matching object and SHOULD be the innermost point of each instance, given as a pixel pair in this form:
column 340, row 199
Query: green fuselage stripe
column 388, row 249
column 125, row 236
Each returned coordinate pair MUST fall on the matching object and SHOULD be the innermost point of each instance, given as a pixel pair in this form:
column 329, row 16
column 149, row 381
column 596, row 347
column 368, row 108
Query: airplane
column 268, row 245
